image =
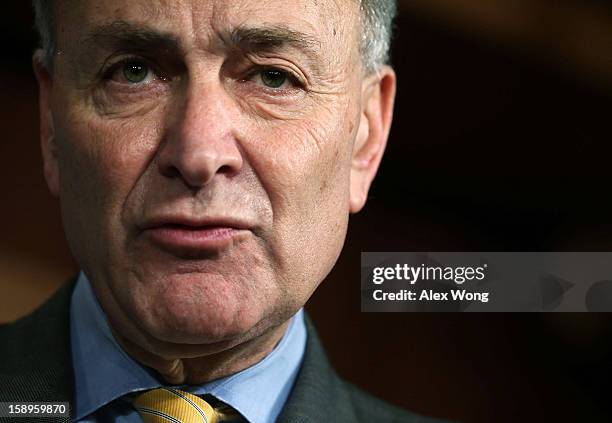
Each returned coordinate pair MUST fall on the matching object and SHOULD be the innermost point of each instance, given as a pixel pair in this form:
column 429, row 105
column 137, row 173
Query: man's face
column 203, row 153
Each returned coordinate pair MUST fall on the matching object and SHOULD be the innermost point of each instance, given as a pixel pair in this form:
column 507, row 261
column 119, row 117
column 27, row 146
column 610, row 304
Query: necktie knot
column 164, row 405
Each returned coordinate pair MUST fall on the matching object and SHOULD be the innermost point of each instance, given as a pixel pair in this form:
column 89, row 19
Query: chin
column 197, row 311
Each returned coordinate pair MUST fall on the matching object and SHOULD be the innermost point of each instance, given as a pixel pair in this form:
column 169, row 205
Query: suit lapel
column 318, row 394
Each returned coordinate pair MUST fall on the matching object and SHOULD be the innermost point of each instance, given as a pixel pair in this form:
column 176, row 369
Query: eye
column 131, row 71
column 136, row 72
column 272, row 78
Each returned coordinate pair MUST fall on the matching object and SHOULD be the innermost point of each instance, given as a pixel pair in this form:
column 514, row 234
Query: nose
column 200, row 142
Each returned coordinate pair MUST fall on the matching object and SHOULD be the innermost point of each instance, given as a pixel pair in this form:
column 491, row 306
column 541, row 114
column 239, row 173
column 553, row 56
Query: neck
column 198, row 370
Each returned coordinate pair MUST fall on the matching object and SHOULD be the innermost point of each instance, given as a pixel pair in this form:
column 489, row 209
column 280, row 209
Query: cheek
column 299, row 161
column 101, row 160
column 304, row 169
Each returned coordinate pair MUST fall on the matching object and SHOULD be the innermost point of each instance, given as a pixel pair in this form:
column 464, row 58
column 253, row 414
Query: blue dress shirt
column 104, row 372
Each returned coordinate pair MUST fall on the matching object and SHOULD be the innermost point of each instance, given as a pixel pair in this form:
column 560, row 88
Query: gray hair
column 45, row 26
column 376, row 28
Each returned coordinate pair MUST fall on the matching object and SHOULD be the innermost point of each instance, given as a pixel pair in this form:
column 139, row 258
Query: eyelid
column 294, row 79
column 113, row 64
column 277, row 62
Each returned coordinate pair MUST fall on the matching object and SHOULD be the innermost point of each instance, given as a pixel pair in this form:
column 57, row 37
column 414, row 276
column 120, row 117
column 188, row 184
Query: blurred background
column 501, row 142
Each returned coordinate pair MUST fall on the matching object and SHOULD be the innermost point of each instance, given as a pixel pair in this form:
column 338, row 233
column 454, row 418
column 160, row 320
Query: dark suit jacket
column 36, row 365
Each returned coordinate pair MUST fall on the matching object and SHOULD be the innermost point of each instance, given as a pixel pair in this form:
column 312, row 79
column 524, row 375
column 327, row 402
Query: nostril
column 226, row 169
column 170, row 172
column 196, row 159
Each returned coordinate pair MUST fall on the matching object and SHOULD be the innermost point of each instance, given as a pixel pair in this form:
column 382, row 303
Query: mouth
column 194, row 238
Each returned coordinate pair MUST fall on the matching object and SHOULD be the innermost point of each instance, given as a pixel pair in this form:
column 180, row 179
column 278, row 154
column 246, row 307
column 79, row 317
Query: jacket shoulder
column 369, row 408
column 35, row 362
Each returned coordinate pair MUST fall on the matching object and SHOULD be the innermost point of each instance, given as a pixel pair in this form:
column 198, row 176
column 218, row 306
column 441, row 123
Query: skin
column 203, row 136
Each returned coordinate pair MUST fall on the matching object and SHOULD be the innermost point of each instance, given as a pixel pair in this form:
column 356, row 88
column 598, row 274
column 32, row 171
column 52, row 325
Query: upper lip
column 195, row 222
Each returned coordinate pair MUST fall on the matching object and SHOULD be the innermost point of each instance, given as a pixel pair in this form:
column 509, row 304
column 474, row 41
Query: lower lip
column 186, row 240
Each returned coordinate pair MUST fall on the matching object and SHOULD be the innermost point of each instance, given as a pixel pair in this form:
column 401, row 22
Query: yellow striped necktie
column 164, row 405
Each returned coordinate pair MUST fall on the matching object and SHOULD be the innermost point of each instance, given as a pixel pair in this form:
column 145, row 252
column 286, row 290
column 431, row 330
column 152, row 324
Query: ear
column 47, row 132
column 378, row 96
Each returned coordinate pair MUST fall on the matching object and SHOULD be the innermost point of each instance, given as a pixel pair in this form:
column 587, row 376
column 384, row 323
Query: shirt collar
column 104, row 371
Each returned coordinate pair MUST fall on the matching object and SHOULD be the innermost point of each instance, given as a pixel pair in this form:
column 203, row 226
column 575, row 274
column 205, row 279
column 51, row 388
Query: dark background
column 500, row 143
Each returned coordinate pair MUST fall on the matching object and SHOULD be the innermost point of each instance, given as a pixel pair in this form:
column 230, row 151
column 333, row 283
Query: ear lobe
column 47, row 131
column 378, row 97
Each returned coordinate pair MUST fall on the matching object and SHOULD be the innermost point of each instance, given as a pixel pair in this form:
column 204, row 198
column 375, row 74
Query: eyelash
column 291, row 78
column 110, row 71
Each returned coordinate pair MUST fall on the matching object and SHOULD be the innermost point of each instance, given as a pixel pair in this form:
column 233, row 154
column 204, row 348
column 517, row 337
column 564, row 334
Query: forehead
column 196, row 21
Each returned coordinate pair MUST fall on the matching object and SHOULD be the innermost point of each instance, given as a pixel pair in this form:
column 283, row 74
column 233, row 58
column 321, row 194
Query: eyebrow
column 263, row 38
column 251, row 39
column 125, row 34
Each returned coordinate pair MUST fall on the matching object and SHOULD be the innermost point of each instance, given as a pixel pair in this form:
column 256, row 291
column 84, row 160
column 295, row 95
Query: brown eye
column 136, row 72
column 273, row 78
